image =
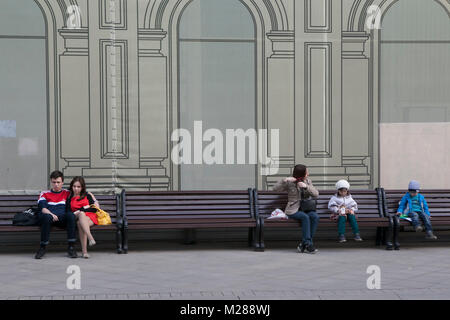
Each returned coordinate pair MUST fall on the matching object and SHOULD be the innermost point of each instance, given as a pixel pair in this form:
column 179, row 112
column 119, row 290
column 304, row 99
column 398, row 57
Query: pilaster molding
column 283, row 44
column 354, row 45
column 76, row 41
column 150, row 42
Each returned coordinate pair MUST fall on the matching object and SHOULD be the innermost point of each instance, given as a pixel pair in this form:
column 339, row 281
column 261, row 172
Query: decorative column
column 114, row 95
column 153, row 108
column 280, row 104
column 318, row 89
column 357, row 136
column 74, row 96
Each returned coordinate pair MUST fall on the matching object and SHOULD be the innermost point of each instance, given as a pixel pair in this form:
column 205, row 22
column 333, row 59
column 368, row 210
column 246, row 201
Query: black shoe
column 40, row 253
column 311, row 249
column 72, row 253
column 389, row 246
column 301, row 247
column 396, row 246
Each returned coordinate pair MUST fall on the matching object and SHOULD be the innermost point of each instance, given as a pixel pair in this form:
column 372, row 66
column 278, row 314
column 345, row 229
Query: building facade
column 357, row 89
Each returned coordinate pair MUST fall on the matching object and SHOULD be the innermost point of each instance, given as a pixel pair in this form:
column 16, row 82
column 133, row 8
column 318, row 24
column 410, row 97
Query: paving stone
column 210, row 272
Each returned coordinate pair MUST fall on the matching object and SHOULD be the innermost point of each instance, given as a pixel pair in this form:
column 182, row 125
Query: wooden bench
column 438, row 203
column 12, row 204
column 370, row 211
column 189, row 210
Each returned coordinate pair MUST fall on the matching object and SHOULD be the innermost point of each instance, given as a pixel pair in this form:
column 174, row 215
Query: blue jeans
column 423, row 216
column 309, row 221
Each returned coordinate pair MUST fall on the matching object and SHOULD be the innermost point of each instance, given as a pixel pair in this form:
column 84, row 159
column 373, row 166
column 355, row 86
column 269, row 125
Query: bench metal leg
column 261, row 246
column 250, row 237
column 378, row 236
column 125, row 240
column 389, row 235
column 255, row 236
column 385, row 234
column 396, row 227
column 189, row 236
column 119, row 241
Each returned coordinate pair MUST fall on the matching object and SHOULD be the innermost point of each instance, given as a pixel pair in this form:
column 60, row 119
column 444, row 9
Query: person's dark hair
column 299, row 171
column 56, row 174
column 83, row 192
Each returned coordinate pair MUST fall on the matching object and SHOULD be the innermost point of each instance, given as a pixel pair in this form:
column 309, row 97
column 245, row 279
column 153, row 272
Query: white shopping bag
column 278, row 214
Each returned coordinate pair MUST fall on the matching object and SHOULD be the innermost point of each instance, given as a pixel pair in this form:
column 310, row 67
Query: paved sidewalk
column 230, row 271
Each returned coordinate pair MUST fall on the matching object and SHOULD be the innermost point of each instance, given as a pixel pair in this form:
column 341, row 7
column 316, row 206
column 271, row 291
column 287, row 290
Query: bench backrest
column 153, row 205
column 369, row 202
column 438, row 201
column 110, row 203
column 12, row 204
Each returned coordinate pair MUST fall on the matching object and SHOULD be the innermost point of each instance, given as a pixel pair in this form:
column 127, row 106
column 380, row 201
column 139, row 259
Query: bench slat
column 192, row 226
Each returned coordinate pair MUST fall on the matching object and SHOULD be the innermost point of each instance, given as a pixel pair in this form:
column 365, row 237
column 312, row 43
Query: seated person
column 414, row 206
column 79, row 203
column 52, row 207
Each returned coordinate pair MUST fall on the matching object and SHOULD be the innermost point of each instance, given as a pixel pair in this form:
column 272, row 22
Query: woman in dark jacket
column 299, row 187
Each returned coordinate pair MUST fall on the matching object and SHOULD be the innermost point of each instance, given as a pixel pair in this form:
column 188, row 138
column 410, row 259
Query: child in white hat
column 343, row 207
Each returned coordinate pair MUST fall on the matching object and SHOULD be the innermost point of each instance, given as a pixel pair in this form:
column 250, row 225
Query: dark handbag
column 29, row 217
column 307, row 205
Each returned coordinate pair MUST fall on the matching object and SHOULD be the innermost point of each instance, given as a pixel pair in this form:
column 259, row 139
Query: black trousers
column 67, row 221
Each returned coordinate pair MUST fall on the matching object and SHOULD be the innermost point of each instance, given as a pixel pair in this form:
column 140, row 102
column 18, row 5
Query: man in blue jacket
column 414, row 206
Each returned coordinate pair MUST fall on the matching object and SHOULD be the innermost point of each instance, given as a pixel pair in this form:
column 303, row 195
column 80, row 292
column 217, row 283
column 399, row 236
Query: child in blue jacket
column 414, row 206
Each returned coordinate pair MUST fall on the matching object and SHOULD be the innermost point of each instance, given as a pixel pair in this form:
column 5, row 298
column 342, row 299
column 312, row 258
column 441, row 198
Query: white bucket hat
column 342, row 184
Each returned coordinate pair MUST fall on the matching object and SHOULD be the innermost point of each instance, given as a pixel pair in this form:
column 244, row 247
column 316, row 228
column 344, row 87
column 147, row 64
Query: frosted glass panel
column 23, row 114
column 228, row 19
column 415, row 95
column 217, row 82
column 21, row 17
column 415, row 82
column 416, row 20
